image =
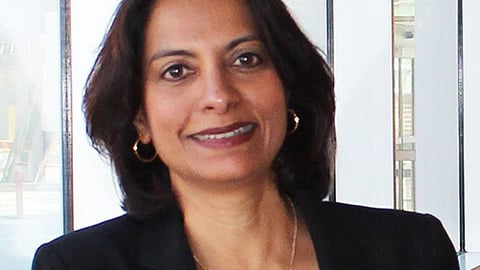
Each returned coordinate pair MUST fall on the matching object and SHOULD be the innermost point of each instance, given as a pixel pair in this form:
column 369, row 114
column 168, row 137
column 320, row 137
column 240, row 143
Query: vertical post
column 461, row 155
column 330, row 33
column 330, row 59
column 66, row 86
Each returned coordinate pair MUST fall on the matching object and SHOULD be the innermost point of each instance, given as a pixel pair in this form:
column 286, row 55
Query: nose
column 219, row 92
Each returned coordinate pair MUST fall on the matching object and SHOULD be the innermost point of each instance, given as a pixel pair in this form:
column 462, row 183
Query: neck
column 248, row 225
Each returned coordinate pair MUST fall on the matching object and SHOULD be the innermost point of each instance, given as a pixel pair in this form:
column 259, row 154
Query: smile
column 225, row 135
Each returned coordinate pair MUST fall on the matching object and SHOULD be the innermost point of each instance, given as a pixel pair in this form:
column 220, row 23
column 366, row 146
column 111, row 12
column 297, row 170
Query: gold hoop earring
column 296, row 121
column 137, row 154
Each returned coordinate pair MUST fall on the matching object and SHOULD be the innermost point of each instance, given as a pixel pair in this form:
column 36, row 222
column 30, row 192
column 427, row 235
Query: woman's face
column 214, row 104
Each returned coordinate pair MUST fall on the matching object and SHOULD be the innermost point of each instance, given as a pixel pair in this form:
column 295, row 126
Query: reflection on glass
column 30, row 151
column 404, row 64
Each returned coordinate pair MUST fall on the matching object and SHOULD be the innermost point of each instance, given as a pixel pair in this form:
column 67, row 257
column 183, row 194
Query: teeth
column 225, row 135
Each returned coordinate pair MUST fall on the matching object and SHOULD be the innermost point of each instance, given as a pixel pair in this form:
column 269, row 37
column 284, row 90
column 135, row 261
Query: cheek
column 273, row 100
column 274, row 109
column 166, row 117
column 278, row 123
column 166, row 128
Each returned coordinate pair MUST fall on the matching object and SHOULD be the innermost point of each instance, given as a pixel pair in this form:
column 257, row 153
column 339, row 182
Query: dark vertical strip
column 66, row 85
column 330, row 59
column 330, row 33
column 461, row 162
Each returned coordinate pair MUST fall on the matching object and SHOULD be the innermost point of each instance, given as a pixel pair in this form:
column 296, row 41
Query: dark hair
column 114, row 96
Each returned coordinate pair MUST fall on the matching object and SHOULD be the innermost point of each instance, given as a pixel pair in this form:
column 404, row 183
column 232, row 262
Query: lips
column 224, row 133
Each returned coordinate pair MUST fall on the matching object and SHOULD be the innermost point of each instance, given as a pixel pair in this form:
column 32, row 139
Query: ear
column 143, row 129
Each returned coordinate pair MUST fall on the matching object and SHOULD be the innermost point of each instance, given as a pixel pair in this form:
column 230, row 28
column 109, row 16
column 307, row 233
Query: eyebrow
column 165, row 53
column 232, row 44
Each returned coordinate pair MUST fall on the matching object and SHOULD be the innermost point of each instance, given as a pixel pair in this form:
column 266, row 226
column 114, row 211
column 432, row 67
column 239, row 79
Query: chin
column 228, row 175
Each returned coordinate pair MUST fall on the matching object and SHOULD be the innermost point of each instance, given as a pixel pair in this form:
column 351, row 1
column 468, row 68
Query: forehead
column 193, row 20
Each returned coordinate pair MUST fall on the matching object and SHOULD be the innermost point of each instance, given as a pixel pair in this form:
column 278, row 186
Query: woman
column 218, row 116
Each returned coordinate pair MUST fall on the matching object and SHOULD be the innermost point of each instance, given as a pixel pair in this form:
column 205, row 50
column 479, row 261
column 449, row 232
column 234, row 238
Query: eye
column 248, row 60
column 176, row 72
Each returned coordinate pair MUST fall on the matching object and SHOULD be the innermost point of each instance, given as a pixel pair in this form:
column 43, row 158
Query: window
column 407, row 131
column 30, row 129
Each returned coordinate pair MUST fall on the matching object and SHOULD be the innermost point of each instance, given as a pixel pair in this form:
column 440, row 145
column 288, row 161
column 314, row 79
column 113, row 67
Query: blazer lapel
column 164, row 245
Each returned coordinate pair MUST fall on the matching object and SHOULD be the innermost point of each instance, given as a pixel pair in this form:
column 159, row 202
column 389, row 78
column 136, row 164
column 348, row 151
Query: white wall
column 436, row 107
column 471, row 39
column 363, row 75
column 363, row 71
column 311, row 16
column 95, row 194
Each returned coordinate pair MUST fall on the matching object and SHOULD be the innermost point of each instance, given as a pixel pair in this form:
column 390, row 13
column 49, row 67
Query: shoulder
column 414, row 240
column 121, row 243
column 377, row 217
column 112, row 230
column 89, row 245
column 365, row 218
column 382, row 238
column 382, row 225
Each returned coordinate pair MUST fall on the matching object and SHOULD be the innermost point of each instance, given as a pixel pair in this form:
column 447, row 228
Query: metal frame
column 330, row 60
column 66, row 88
column 461, row 145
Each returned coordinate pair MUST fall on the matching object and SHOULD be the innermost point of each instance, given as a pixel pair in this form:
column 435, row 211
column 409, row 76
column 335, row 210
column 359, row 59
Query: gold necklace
column 294, row 240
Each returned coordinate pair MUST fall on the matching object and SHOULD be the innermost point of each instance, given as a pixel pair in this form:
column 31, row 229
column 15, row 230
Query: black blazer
column 344, row 236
